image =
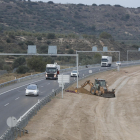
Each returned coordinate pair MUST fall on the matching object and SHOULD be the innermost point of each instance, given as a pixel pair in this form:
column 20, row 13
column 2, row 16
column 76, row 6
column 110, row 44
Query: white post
column 119, row 55
column 77, row 68
column 127, row 56
column 62, row 86
column 118, row 68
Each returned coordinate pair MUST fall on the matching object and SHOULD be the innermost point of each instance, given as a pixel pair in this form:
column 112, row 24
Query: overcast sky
column 124, row 3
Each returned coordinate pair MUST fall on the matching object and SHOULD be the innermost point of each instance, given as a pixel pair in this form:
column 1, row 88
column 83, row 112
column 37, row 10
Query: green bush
column 12, row 36
column 94, row 4
column 71, row 51
column 67, row 46
column 8, row 40
column 105, row 35
column 22, row 69
column 36, row 63
column 48, row 42
column 39, row 38
column 51, row 36
column 18, row 62
column 50, row 2
column 20, row 43
column 29, row 43
column 125, row 17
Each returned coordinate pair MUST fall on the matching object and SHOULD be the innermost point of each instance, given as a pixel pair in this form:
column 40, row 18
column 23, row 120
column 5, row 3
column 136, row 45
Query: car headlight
column 35, row 91
column 54, row 75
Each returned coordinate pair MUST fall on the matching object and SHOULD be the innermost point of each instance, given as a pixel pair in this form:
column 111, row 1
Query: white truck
column 106, row 61
column 52, row 71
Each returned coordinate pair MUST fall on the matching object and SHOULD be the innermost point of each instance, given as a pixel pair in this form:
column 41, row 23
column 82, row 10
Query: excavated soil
column 88, row 117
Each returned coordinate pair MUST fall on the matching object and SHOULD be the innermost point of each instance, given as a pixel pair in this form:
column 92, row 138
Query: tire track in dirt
column 123, row 124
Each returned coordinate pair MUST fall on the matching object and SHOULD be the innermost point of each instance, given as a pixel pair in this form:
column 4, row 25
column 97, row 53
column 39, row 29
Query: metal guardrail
column 13, row 133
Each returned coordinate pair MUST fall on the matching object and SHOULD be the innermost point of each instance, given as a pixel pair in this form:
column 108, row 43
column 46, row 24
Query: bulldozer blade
column 108, row 95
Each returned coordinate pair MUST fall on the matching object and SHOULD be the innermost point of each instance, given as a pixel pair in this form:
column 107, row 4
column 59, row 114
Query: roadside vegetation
column 18, row 41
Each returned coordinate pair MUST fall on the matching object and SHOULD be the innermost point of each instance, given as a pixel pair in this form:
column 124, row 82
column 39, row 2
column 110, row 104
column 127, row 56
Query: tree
column 51, row 36
column 36, row 63
column 117, row 5
column 97, row 58
column 94, row 4
column 39, row 38
column 18, row 62
column 105, row 35
column 22, row 69
column 8, row 40
column 50, row 2
column 71, row 51
column 29, row 43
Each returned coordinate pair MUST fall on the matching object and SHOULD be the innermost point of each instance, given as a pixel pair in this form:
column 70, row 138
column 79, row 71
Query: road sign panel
column 11, row 121
column 90, row 71
column 64, row 78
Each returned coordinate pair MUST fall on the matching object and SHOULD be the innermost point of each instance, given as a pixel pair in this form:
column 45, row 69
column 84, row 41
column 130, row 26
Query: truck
column 106, row 61
column 52, row 71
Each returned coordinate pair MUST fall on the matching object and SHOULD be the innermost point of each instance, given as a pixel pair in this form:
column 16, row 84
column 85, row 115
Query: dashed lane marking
column 6, row 104
column 17, row 98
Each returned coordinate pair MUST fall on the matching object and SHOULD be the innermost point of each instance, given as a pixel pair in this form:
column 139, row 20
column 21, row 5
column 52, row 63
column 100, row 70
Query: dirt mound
column 80, row 90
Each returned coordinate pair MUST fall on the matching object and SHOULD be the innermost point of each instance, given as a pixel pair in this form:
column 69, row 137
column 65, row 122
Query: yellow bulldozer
column 99, row 88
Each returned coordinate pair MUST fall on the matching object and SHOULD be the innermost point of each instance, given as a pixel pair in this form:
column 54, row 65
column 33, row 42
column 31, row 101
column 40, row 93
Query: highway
column 13, row 101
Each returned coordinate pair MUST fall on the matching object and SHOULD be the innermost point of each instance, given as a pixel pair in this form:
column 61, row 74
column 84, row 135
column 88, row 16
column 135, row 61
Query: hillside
column 17, row 42
column 122, row 23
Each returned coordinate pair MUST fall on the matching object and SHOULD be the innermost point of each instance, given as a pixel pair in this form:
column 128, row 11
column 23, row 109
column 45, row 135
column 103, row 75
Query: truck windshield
column 104, row 60
column 51, row 70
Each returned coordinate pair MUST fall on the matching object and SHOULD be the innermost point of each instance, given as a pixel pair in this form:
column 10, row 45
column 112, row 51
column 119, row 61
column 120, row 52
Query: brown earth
column 89, row 117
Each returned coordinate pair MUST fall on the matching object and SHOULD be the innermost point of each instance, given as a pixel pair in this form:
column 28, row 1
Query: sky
column 124, row 3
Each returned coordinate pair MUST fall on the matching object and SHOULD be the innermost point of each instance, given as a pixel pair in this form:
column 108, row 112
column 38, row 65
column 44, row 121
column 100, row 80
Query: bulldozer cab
column 99, row 82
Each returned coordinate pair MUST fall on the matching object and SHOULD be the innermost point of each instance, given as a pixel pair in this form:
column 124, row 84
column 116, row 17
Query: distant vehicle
column 106, row 61
column 86, row 66
column 118, row 63
column 74, row 73
column 32, row 89
column 52, row 71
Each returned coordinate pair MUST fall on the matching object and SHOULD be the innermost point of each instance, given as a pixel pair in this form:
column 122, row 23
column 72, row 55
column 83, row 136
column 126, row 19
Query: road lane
column 11, row 107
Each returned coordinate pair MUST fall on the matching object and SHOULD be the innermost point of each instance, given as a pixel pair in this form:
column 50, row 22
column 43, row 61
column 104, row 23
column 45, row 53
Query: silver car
column 118, row 63
column 74, row 73
column 32, row 89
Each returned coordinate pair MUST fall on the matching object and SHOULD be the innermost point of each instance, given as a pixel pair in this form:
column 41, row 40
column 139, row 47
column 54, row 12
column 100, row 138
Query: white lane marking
column 48, row 83
column 20, row 86
column 17, row 98
column 6, row 104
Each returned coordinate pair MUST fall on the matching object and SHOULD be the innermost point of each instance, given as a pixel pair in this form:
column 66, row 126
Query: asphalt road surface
column 13, row 101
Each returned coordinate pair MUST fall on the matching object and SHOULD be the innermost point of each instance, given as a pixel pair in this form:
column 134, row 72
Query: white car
column 118, row 63
column 74, row 73
column 32, row 89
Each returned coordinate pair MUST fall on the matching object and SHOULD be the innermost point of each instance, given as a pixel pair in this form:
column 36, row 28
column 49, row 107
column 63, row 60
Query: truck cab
column 52, row 71
column 106, row 61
